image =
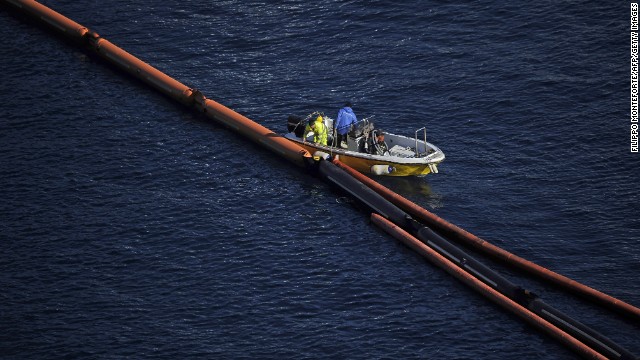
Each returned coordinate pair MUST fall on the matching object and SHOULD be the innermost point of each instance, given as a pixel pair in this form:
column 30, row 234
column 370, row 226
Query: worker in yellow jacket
column 319, row 131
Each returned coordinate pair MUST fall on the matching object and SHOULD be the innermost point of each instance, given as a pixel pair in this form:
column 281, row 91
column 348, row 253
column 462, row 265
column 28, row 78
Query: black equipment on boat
column 296, row 125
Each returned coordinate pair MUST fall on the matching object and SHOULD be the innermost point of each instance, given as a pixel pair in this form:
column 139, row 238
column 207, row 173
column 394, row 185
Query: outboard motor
column 295, row 124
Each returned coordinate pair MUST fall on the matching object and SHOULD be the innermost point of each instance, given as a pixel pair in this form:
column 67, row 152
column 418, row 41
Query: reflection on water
column 416, row 189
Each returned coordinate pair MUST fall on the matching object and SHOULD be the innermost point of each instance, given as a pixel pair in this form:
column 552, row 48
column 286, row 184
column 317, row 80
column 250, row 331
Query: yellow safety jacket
column 319, row 132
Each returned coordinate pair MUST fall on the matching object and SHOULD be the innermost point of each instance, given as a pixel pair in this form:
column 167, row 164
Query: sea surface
column 132, row 227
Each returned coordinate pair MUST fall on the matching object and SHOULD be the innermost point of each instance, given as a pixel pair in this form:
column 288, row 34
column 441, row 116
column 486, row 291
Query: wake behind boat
column 370, row 150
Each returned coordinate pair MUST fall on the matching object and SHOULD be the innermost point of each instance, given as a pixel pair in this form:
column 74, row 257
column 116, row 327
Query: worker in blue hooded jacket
column 346, row 118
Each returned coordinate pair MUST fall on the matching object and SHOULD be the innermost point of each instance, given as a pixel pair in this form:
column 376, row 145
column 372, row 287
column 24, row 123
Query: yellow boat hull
column 365, row 165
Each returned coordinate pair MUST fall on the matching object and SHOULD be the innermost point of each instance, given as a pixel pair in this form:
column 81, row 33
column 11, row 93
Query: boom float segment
column 257, row 133
column 454, row 232
column 141, row 70
column 71, row 29
column 164, row 83
column 496, row 297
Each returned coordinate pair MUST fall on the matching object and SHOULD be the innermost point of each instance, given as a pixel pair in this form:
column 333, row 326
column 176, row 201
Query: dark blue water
column 131, row 227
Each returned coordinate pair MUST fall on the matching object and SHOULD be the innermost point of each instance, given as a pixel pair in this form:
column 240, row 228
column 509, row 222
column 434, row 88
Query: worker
column 380, row 145
column 345, row 120
column 319, row 131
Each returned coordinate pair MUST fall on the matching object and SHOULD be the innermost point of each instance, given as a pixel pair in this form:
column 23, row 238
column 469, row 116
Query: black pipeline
column 527, row 299
column 375, row 203
column 487, row 291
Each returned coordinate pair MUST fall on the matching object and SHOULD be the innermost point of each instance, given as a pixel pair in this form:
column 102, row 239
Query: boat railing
column 364, row 123
column 424, row 133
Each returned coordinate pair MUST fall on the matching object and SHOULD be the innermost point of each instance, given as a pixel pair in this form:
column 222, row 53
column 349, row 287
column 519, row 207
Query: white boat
column 397, row 155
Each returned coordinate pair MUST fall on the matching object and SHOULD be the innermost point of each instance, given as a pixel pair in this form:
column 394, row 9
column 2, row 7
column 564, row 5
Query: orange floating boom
column 162, row 82
column 452, row 231
column 493, row 295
